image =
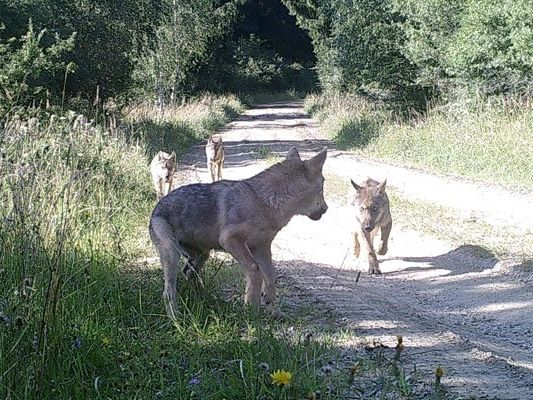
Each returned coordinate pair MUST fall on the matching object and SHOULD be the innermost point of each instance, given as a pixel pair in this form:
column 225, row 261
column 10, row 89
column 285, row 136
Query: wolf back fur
column 240, row 217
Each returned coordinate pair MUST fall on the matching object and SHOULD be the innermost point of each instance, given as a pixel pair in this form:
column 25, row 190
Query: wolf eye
column 373, row 208
column 361, row 209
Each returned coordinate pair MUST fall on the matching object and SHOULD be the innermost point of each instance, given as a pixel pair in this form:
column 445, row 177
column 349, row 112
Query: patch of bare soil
column 456, row 307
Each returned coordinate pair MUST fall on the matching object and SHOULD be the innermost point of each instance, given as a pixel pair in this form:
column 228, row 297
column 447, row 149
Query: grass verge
column 490, row 142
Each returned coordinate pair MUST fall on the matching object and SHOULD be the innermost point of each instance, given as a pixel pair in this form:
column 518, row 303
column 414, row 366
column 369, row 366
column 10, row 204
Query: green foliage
column 23, row 62
column 109, row 35
column 356, row 44
column 490, row 141
column 483, row 46
column 183, row 41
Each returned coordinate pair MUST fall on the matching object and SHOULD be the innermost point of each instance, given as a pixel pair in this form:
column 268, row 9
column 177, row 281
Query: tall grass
column 176, row 128
column 69, row 199
column 490, row 141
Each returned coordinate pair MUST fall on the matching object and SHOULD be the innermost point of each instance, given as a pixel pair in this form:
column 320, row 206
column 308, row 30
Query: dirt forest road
column 455, row 306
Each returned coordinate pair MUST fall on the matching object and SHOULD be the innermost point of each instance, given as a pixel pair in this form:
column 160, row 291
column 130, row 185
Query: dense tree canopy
column 170, row 49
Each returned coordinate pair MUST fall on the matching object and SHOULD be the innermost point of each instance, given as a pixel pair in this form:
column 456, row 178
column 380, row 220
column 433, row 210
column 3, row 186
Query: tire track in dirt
column 454, row 306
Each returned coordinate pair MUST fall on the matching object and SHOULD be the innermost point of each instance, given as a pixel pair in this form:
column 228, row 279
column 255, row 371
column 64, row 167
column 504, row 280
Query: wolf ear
column 381, row 186
column 160, row 155
column 210, row 139
column 172, row 156
column 293, row 154
column 355, row 185
column 317, row 162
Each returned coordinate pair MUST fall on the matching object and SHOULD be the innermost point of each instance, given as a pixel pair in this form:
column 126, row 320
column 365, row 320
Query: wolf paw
column 373, row 267
column 383, row 249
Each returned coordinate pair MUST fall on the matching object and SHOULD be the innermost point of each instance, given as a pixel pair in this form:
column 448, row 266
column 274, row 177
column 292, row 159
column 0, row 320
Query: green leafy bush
column 23, row 62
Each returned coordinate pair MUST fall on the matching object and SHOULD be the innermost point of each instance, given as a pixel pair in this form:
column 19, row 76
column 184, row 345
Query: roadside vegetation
column 440, row 85
column 75, row 203
column 486, row 141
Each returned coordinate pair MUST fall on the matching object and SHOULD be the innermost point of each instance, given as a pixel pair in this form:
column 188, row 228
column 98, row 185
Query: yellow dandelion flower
column 106, row 341
column 439, row 372
column 281, row 377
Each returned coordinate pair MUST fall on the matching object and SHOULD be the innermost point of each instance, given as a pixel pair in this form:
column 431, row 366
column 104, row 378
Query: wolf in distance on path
column 240, row 217
column 214, row 152
column 372, row 210
column 162, row 169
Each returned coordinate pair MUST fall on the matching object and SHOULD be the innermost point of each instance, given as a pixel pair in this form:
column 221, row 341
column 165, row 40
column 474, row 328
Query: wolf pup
column 215, row 157
column 162, row 169
column 240, row 217
column 372, row 214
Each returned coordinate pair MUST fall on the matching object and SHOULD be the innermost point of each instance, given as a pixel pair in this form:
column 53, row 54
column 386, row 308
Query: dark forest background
column 165, row 51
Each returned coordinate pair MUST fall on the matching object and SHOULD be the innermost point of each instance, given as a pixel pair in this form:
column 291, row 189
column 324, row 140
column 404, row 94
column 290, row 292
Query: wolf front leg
column 356, row 244
column 210, row 170
column 240, row 251
column 159, row 188
column 368, row 248
column 383, row 244
column 219, row 170
column 263, row 255
column 168, row 187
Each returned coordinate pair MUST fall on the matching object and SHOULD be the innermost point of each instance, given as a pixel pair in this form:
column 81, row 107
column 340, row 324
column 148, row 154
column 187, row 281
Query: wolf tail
column 163, row 238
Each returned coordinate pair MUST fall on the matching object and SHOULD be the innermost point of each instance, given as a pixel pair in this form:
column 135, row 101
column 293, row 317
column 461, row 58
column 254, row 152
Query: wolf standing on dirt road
column 215, row 157
column 372, row 214
column 240, row 217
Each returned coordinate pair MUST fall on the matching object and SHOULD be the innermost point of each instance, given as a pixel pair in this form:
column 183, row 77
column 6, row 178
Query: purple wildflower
column 195, row 380
column 77, row 343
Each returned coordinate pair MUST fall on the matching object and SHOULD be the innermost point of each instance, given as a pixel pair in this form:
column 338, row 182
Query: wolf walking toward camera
column 372, row 210
column 162, row 168
column 240, row 217
column 215, row 157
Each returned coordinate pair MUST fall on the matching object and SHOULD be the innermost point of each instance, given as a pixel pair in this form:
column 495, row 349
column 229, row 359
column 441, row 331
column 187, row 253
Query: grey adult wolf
column 162, row 168
column 372, row 210
column 240, row 217
column 215, row 157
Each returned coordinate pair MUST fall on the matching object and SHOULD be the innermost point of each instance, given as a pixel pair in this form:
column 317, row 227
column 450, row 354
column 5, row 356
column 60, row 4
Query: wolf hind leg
column 195, row 260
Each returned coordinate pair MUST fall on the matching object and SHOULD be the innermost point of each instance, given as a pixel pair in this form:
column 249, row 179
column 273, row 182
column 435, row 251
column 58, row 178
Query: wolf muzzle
column 318, row 214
